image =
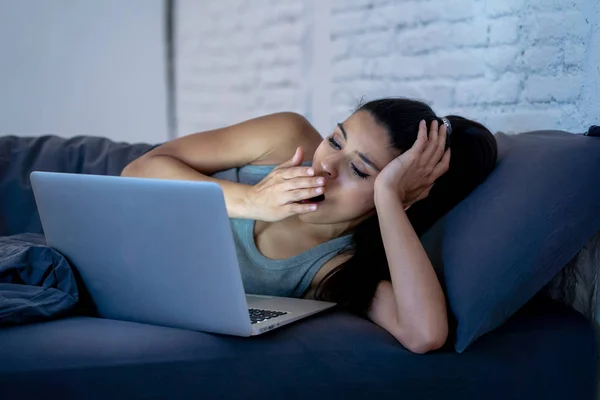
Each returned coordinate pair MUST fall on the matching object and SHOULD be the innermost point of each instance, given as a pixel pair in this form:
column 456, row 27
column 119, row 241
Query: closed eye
column 358, row 173
column 333, row 143
column 355, row 170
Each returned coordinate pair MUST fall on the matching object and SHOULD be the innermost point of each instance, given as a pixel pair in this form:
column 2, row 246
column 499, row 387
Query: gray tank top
column 289, row 277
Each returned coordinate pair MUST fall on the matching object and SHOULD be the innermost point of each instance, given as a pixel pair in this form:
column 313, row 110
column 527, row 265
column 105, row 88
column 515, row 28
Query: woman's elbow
column 137, row 167
column 424, row 342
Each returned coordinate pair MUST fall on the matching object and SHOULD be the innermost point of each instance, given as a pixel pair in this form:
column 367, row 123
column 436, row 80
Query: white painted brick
column 348, row 94
column 553, row 5
column 481, row 91
column 472, row 33
column 443, row 35
column 506, row 62
column 550, row 88
column 280, row 76
column 541, row 59
column 341, row 47
column 346, row 5
column 496, row 8
column 281, row 33
column 574, row 53
column 399, row 14
column 373, row 44
column 557, row 25
column 282, row 98
column 459, row 64
column 351, row 68
column 504, row 31
column 280, row 55
column 435, row 94
column 502, row 58
column 520, row 120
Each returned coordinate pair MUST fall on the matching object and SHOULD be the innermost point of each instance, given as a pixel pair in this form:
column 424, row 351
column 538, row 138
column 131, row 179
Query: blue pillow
column 501, row 245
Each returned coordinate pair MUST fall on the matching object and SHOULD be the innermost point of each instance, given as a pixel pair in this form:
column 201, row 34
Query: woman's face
column 350, row 159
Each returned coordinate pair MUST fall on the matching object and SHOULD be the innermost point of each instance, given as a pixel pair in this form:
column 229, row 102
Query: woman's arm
column 270, row 139
column 412, row 306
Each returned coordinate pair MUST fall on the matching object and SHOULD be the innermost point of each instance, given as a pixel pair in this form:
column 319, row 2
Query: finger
column 296, row 160
column 437, row 149
column 441, row 144
column 303, row 183
column 302, row 194
column 301, row 208
column 442, row 167
column 296, row 172
column 431, row 143
column 421, row 141
column 424, row 194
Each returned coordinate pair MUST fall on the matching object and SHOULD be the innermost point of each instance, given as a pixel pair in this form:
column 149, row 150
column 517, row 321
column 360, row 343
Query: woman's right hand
column 277, row 196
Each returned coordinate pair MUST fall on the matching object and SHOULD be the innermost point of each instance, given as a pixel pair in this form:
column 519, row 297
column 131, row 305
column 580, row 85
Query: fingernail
column 320, row 181
column 313, row 207
column 311, row 171
column 319, row 190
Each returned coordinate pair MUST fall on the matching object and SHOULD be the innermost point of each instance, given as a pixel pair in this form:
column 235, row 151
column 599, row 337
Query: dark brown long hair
column 353, row 283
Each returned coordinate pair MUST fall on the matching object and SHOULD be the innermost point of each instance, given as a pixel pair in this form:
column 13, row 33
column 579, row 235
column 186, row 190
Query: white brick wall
column 512, row 64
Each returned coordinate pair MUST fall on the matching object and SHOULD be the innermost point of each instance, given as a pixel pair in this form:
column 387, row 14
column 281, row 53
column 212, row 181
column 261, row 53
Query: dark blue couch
column 545, row 351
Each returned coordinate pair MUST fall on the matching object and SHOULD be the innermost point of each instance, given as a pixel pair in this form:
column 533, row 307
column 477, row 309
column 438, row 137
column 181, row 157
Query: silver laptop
column 157, row 251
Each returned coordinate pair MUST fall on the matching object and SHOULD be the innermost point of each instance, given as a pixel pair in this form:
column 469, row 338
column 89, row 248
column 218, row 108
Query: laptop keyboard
column 257, row 315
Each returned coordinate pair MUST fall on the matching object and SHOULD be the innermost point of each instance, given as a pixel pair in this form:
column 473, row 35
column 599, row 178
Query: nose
column 329, row 167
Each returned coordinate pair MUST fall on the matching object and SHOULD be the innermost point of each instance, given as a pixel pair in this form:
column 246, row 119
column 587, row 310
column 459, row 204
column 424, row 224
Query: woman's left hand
column 412, row 174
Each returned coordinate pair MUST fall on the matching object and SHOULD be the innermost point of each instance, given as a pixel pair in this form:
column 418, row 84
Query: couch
column 546, row 349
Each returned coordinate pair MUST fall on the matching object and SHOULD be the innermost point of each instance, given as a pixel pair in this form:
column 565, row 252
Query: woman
column 343, row 225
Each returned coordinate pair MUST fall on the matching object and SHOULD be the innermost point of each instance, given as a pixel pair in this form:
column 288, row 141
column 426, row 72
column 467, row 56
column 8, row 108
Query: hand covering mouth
column 316, row 199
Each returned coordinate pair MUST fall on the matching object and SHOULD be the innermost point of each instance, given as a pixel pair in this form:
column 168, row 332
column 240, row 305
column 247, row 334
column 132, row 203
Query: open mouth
column 316, row 199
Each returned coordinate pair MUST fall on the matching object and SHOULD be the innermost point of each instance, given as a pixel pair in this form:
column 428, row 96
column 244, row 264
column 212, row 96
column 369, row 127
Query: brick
column 504, row 31
column 574, row 53
column 502, row 58
column 552, row 88
column 472, row 33
column 442, row 36
column 338, row 6
column 466, row 63
column 496, row 8
column 398, row 14
column 373, row 44
column 557, row 25
column 541, row 59
column 434, row 94
column 352, row 68
column 520, row 120
column 280, row 34
column 554, row 5
column 281, row 98
column 481, row 91
column 280, row 76
column 279, row 55
column 349, row 93
column 341, row 47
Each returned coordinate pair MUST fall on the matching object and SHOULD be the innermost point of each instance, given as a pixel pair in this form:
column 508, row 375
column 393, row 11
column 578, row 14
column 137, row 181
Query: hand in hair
column 412, row 174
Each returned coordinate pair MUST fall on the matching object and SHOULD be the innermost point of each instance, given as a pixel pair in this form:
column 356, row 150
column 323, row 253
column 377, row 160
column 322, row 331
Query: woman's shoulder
column 288, row 132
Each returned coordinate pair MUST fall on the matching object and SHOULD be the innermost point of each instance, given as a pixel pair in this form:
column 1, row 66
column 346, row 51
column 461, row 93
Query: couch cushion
column 19, row 156
column 546, row 351
column 499, row 247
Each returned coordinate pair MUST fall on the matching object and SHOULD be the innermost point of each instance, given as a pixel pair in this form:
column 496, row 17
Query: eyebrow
column 361, row 155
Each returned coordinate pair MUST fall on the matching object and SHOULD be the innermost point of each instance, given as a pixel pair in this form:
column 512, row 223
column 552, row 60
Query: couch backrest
column 19, row 156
